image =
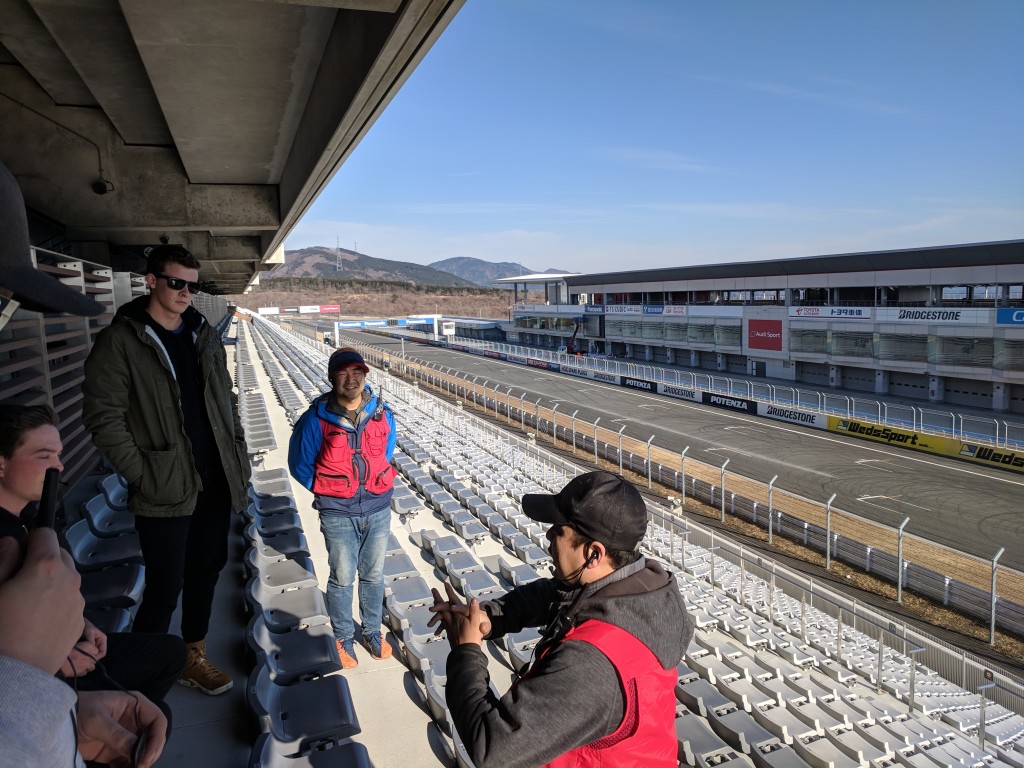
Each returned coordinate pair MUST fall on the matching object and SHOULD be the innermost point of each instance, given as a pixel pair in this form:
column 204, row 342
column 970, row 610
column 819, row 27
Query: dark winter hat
column 599, row 505
column 344, row 358
column 34, row 290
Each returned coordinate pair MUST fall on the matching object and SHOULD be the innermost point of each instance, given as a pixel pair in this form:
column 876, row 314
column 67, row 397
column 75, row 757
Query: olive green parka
column 132, row 408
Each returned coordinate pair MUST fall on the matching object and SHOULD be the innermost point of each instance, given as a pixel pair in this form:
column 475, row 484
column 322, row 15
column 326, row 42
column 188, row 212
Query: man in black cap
column 600, row 690
column 341, row 450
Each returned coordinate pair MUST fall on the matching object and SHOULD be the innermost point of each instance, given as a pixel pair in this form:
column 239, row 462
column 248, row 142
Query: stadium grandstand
column 941, row 325
column 112, row 128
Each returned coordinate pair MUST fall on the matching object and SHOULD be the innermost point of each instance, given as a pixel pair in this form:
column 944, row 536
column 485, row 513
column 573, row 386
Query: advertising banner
column 764, row 334
column 269, row 310
column 933, row 315
column 351, row 323
column 792, row 415
column 641, row 384
column 653, row 309
column 290, row 310
column 516, row 359
column 831, row 313
column 1010, row 316
column 731, row 403
column 492, row 353
column 594, row 309
column 607, row 378
column 623, row 309
column 682, row 393
column 326, row 309
column 985, row 455
column 573, row 370
column 309, row 309
column 533, row 362
column 674, row 310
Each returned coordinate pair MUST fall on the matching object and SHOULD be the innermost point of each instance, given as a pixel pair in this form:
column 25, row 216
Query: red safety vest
column 646, row 738
column 336, row 471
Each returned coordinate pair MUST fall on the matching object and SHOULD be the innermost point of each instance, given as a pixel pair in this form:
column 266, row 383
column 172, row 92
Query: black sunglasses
column 177, row 283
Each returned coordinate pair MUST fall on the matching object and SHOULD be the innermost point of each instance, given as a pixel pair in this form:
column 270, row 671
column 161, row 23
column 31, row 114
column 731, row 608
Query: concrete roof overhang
column 217, row 123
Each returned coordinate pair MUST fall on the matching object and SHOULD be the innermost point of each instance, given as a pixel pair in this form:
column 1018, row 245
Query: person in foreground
column 40, row 723
column 341, row 450
column 600, row 690
column 160, row 406
column 30, row 444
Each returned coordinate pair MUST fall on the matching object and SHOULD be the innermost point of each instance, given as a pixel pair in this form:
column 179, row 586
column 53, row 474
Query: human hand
column 40, row 601
column 87, row 651
column 111, row 722
column 463, row 623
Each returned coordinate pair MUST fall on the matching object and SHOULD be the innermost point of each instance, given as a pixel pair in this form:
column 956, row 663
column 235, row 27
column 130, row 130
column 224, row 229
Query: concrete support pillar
column 648, row 353
column 670, row 356
column 720, row 363
column 1003, row 300
column 881, row 382
column 629, row 351
column 694, row 358
column 835, row 376
column 789, row 295
column 936, row 389
column 1000, row 396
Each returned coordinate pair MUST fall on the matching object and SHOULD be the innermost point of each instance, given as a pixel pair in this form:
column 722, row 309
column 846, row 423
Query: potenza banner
column 731, row 403
column 997, row 458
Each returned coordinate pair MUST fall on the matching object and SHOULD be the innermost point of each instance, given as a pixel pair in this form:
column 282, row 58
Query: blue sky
column 595, row 135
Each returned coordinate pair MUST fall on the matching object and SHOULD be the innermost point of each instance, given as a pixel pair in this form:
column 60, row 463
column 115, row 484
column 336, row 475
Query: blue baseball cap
column 343, row 358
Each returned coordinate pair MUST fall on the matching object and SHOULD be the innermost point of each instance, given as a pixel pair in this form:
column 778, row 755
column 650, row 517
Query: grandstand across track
column 963, row 506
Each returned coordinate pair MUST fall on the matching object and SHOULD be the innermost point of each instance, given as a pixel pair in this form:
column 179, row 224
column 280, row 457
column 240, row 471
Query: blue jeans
column 356, row 545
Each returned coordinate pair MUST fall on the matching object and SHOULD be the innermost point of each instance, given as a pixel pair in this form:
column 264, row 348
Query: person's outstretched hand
column 463, row 623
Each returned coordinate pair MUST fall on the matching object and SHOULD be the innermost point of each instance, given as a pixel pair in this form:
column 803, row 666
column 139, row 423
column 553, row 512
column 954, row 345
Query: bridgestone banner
column 792, row 415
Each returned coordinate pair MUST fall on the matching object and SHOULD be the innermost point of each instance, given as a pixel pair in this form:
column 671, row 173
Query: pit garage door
column 908, row 384
column 1017, row 398
column 736, row 363
column 812, row 373
column 976, row 394
column 859, row 379
column 709, row 361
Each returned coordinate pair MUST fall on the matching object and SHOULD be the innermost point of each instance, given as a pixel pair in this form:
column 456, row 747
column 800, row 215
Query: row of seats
column 764, row 682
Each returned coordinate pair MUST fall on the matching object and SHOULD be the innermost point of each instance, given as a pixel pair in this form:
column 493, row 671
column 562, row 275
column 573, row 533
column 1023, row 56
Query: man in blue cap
column 341, row 450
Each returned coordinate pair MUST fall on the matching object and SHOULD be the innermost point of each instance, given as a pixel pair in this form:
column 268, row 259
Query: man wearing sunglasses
column 159, row 405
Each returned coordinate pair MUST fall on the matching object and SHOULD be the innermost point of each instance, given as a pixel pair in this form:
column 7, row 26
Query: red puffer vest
column 349, row 458
column 646, row 738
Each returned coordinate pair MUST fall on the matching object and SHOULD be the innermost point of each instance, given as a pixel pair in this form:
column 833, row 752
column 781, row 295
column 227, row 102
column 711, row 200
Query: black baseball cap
column 599, row 505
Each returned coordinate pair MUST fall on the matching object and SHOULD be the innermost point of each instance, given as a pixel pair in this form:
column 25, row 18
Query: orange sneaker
column 346, row 654
column 376, row 645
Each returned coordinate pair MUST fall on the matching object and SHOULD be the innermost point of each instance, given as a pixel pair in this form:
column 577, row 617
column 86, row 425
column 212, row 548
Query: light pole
column 992, row 616
column 682, row 468
column 649, row 462
column 726, row 464
column 899, row 567
column 828, row 532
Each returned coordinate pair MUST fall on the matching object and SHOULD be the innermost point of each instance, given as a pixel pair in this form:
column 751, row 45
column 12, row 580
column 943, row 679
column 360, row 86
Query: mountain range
column 345, row 264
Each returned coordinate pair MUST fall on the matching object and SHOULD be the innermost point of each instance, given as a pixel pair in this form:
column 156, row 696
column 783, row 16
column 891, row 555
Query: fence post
column 723, row 488
column 522, row 411
column 771, row 487
column 981, row 714
column 993, row 598
column 649, row 462
column 554, row 424
column 828, row 532
column 899, row 571
column 682, row 468
column 620, row 448
column 574, row 431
